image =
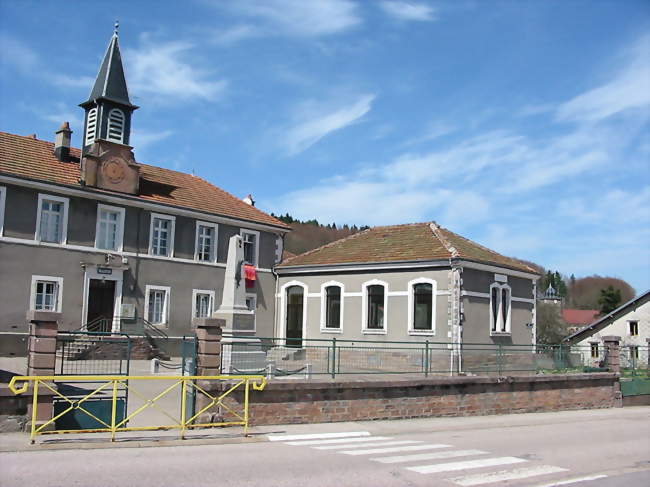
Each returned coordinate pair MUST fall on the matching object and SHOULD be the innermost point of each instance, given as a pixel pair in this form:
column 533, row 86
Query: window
column 46, row 293
column 332, row 306
column 374, row 307
column 594, row 350
column 202, row 303
column 206, row 242
column 251, row 305
column 634, row 328
column 110, row 227
column 3, row 198
column 162, row 235
column 500, row 297
column 422, row 306
column 91, row 126
column 52, row 219
column 157, row 304
column 115, row 126
column 251, row 250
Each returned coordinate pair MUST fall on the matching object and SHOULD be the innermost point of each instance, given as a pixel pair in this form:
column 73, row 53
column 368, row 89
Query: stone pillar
column 208, row 335
column 41, row 357
column 613, row 353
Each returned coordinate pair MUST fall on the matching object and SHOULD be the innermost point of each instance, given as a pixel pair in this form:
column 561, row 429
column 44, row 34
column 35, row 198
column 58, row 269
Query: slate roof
column 579, row 317
column 30, row 158
column 402, row 243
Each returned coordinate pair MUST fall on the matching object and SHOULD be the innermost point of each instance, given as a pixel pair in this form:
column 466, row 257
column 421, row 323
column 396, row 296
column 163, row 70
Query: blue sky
column 521, row 125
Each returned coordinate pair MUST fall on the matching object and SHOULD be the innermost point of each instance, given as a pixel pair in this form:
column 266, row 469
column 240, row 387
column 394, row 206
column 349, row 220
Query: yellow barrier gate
column 111, row 384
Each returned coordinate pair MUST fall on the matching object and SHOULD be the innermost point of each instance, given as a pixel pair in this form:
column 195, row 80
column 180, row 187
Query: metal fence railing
column 333, row 357
column 634, row 360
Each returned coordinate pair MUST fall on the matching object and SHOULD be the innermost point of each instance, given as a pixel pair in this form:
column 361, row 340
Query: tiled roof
column 402, row 243
column 579, row 317
column 27, row 157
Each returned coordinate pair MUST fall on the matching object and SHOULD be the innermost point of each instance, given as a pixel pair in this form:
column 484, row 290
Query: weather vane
column 117, row 26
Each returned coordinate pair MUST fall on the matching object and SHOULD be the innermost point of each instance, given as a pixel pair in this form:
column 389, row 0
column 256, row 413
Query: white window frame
column 253, row 296
column 245, row 231
column 364, row 310
column 210, row 293
column 91, row 118
column 162, row 216
column 411, row 302
column 119, row 121
column 165, row 313
column 59, row 292
column 3, row 199
column 499, row 331
column 120, row 229
column 215, row 240
column 64, row 220
column 323, row 307
column 283, row 308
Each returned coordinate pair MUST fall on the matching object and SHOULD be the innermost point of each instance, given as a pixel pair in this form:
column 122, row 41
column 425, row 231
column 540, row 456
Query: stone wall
column 284, row 402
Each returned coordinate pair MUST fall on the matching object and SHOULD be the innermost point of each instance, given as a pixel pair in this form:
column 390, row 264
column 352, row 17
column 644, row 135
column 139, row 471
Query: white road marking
column 321, row 436
column 383, row 443
column 340, row 440
column 449, row 467
column 429, row 456
column 391, row 450
column 520, row 473
column 574, row 481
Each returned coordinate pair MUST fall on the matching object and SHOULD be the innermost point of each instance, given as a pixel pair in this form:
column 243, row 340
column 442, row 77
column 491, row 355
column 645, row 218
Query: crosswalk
column 431, row 458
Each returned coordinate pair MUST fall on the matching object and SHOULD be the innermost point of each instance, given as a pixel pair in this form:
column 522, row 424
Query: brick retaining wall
column 320, row 401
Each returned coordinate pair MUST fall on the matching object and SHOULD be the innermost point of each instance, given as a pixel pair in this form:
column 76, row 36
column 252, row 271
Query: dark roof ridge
column 330, row 244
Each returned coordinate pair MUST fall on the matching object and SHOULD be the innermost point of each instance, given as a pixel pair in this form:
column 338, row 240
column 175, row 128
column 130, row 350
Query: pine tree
column 609, row 299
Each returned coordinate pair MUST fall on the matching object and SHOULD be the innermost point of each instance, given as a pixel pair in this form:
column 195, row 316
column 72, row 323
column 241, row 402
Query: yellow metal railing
column 120, row 383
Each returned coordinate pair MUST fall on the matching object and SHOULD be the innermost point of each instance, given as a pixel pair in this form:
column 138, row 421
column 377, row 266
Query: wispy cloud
column 404, row 10
column 17, row 54
column 144, row 138
column 313, row 122
column 61, row 112
column 232, row 35
column 163, row 71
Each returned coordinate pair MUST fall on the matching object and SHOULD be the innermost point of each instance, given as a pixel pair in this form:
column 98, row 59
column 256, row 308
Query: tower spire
column 117, row 28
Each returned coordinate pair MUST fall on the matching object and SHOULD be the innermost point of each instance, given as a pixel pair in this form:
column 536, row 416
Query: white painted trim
column 497, row 331
column 3, row 199
column 215, row 240
column 254, row 311
column 364, row 308
column 171, row 218
column 64, row 222
column 120, row 230
column 59, row 291
column 360, row 294
column 397, row 293
column 150, row 287
column 411, row 314
column 493, row 268
column 522, row 300
column 323, row 307
column 89, row 193
column 209, row 292
column 91, row 116
column 354, row 295
column 244, row 231
column 283, row 308
column 314, row 295
column 118, row 277
column 474, row 294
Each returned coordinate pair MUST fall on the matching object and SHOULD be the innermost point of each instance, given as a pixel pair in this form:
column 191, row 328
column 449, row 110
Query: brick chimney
column 62, row 143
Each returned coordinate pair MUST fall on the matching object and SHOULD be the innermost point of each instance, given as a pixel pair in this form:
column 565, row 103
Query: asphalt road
column 598, row 448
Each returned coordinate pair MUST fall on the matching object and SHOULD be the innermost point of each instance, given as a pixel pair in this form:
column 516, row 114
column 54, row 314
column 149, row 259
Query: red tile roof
column 402, row 243
column 580, row 317
column 27, row 157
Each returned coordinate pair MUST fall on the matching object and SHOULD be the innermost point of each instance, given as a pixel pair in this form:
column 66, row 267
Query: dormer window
column 115, row 131
column 91, row 126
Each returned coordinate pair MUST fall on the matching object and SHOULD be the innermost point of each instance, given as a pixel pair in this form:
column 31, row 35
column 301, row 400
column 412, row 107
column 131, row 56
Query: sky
column 522, row 125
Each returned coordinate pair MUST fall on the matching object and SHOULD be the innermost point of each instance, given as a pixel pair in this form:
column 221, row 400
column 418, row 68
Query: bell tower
column 107, row 158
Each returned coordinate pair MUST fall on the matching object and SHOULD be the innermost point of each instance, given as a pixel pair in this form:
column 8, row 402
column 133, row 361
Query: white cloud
column 314, row 123
column 141, row 139
column 300, row 17
column 61, row 112
column 433, row 131
column 403, row 10
column 235, row 34
column 72, row 82
column 162, row 70
column 17, row 54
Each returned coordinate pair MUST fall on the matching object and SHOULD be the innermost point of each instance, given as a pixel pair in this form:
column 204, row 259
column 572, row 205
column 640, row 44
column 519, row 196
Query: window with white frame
column 46, row 293
column 91, row 126
column 202, row 303
column 3, row 199
column 374, row 294
column 634, row 328
column 500, row 298
column 110, row 227
column 52, row 219
column 162, row 235
column 157, row 304
column 333, row 308
column 594, row 350
column 251, row 246
column 251, row 305
column 422, row 306
column 206, row 242
column 116, row 126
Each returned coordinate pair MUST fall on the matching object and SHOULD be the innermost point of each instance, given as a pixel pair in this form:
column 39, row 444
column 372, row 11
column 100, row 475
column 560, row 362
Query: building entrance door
column 101, row 305
column 295, row 298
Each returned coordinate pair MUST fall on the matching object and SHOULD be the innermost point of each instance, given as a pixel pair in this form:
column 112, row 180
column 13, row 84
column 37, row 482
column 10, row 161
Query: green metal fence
column 634, row 360
column 334, row 357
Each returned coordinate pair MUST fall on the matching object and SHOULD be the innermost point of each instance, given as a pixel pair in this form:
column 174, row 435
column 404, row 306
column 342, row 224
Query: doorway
column 295, row 302
column 101, row 305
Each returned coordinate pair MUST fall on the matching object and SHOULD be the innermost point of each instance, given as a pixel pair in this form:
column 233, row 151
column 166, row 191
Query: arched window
column 294, row 315
column 333, row 307
column 375, row 307
column 500, row 298
column 91, row 126
column 116, row 126
column 422, row 306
